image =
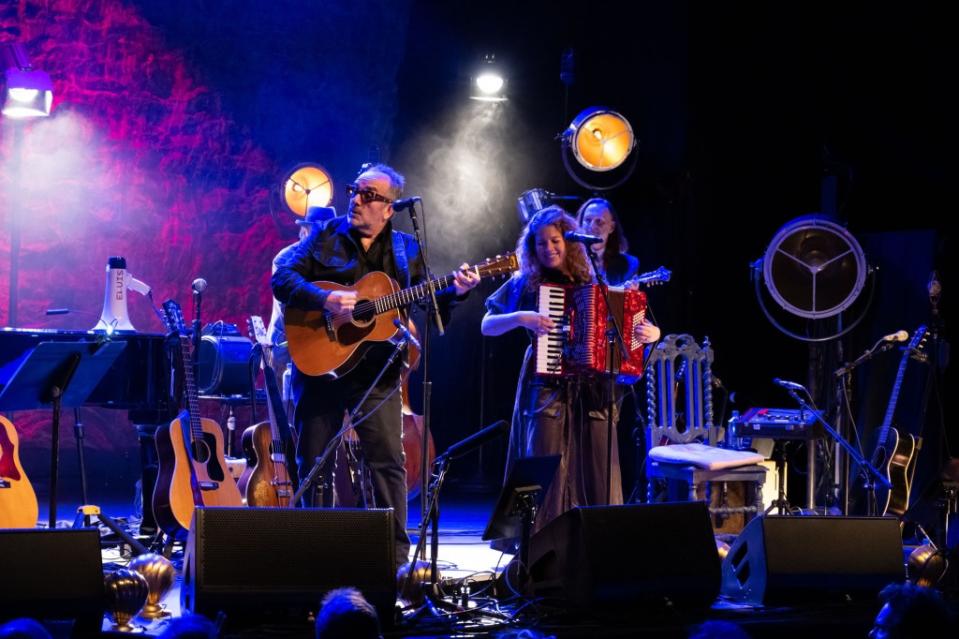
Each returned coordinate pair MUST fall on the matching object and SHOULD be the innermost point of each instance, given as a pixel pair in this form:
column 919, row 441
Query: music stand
column 62, row 374
column 522, row 494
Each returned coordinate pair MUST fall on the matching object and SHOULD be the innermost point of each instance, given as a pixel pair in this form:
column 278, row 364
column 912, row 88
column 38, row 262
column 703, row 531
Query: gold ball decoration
column 927, row 565
column 159, row 574
column 125, row 593
column 416, row 592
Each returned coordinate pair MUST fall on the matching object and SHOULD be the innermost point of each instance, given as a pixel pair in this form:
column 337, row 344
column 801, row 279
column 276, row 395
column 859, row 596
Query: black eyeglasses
column 367, row 195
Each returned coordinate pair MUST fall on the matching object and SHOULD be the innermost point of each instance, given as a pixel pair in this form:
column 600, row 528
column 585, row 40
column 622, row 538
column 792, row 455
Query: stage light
column 27, row 93
column 305, row 187
column 489, row 82
column 600, row 139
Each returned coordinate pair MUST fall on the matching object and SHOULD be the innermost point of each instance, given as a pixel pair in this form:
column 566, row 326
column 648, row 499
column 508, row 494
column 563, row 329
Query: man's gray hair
column 397, row 181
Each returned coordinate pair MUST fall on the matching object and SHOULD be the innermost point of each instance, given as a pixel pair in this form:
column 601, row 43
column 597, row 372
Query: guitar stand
column 88, row 512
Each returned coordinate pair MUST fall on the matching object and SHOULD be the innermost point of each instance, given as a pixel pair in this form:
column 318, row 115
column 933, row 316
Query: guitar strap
column 399, row 257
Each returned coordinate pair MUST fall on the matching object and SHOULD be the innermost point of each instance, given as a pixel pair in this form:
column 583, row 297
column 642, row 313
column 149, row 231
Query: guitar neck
column 190, row 392
column 412, row 294
column 273, row 397
column 893, row 398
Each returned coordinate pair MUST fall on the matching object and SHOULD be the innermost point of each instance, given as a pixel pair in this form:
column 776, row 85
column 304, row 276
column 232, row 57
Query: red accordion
column 579, row 344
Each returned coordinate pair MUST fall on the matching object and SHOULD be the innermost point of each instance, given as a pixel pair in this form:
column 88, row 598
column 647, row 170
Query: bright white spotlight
column 489, row 83
column 27, row 93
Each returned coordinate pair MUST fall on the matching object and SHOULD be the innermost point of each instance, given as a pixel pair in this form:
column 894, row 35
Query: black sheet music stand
column 61, row 374
column 522, row 494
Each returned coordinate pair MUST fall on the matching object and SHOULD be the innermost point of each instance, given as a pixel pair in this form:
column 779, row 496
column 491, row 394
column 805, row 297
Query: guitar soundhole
column 366, row 313
column 200, row 452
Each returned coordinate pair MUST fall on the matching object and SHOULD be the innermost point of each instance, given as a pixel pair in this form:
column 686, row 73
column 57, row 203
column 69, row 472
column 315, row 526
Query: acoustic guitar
column 894, row 455
column 192, row 465
column 323, row 343
column 18, row 501
column 269, row 484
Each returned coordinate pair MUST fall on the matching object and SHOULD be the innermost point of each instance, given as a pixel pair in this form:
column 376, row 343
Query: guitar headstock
column 501, row 265
column 173, row 317
column 652, row 278
column 917, row 344
column 257, row 330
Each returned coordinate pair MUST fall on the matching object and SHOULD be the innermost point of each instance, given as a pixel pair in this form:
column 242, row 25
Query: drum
column 224, row 365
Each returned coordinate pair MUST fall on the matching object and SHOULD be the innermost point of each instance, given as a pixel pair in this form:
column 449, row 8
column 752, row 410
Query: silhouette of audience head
column 524, row 633
column 190, row 627
column 910, row 611
column 346, row 614
column 23, row 628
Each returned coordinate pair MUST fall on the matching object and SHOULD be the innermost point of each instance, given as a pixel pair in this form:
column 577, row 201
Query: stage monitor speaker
column 279, row 562
column 637, row 554
column 52, row 575
column 781, row 560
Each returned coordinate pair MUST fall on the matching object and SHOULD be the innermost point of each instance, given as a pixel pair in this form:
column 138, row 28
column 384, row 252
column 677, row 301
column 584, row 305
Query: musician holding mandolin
column 563, row 415
column 351, row 256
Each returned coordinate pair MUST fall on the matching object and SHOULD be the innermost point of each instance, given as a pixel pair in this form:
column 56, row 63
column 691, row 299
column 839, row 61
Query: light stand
column 614, row 335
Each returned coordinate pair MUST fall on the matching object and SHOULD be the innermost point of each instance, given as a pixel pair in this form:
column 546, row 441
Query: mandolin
column 269, row 484
column 192, row 465
column 18, row 501
column 322, row 343
column 894, row 455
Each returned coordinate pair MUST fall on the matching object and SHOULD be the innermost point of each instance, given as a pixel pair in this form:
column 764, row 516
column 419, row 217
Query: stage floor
column 463, row 553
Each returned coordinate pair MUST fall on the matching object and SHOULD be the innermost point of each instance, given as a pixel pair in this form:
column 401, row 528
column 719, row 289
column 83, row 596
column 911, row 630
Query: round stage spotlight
column 489, row 82
column 814, row 268
column 598, row 149
column 307, row 186
column 600, row 139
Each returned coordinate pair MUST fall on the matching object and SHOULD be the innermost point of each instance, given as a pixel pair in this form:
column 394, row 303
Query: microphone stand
column 197, row 301
column 613, row 336
column 852, row 452
column 843, row 377
column 433, row 314
column 334, row 442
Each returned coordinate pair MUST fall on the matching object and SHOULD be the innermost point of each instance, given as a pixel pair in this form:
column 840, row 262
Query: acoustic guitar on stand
column 18, row 501
column 192, row 464
column 269, row 484
column 894, row 455
column 322, row 343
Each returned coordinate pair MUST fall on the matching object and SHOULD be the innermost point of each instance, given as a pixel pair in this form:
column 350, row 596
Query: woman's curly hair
column 577, row 264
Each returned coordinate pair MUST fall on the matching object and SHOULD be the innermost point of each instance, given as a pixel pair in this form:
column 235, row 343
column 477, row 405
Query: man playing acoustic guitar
column 342, row 251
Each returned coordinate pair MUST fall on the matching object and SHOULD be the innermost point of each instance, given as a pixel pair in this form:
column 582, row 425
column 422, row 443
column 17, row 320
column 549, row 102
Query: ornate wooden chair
column 683, row 461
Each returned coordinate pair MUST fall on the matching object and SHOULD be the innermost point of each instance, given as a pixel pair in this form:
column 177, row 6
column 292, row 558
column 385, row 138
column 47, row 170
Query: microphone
column 407, row 335
column 475, row 440
column 787, row 384
column 898, row 336
column 199, row 285
column 406, row 203
column 582, row 238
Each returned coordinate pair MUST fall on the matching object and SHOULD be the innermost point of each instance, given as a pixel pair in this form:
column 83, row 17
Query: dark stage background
column 174, row 122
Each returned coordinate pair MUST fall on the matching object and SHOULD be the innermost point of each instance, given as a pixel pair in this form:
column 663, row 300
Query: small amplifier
column 777, row 423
